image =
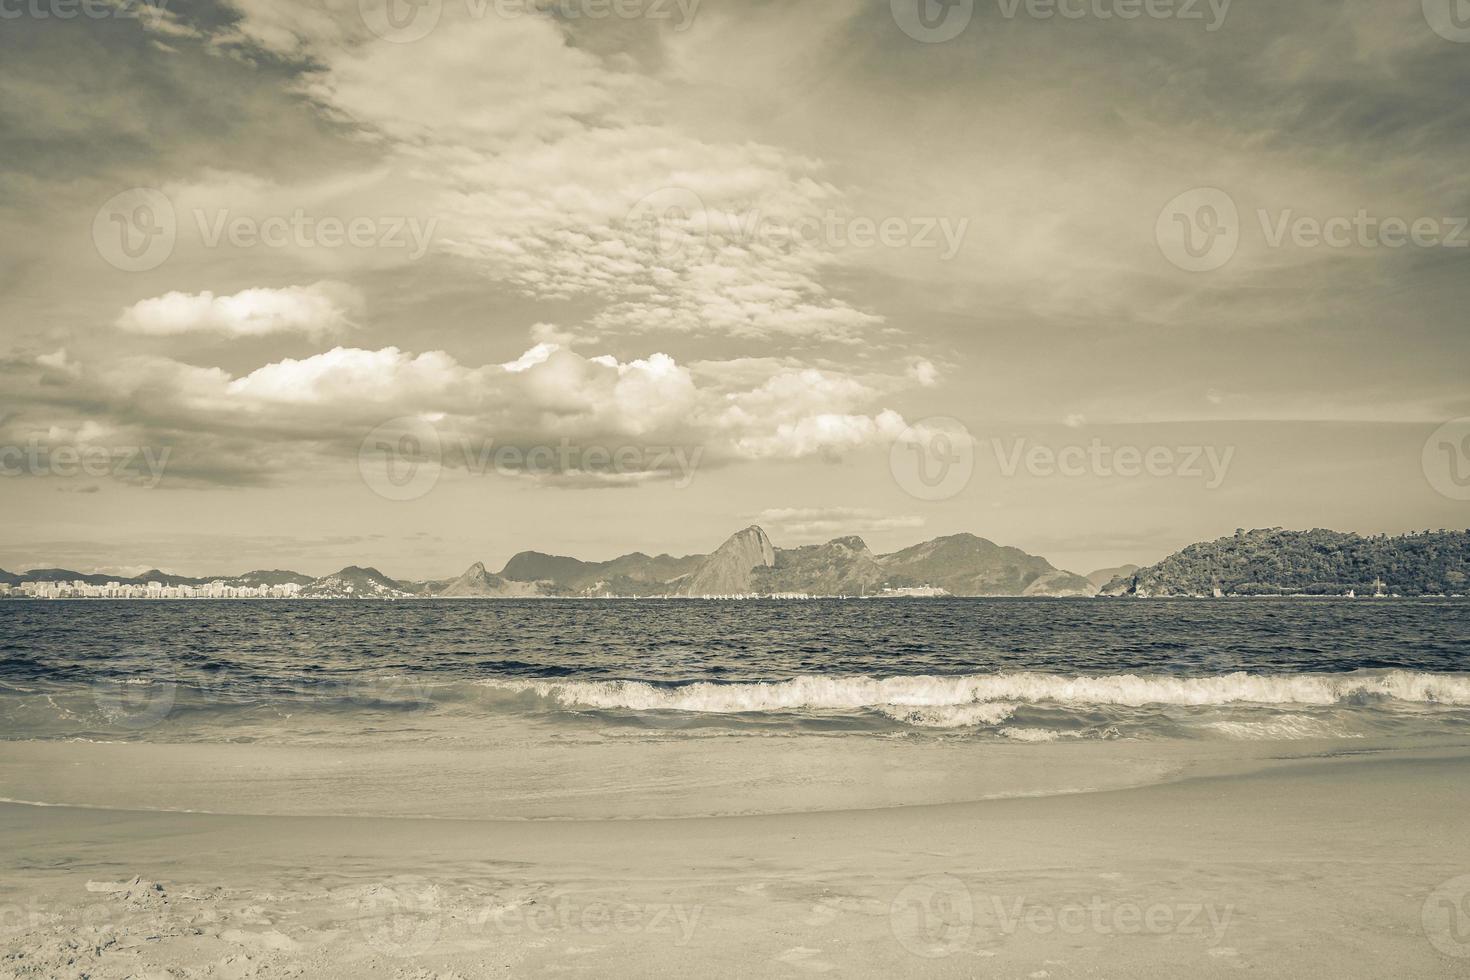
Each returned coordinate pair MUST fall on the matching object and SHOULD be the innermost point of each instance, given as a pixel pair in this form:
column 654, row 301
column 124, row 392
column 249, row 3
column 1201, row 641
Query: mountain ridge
column 1261, row 562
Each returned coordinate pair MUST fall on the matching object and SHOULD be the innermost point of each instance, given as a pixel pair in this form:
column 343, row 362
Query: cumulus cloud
column 320, row 309
column 300, row 414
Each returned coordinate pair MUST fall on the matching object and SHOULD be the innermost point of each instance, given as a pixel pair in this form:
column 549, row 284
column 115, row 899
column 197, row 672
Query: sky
column 307, row 283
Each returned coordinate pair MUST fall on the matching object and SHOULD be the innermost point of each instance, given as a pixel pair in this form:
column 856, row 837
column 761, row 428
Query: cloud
column 319, row 309
column 549, row 168
column 924, row 372
column 305, row 416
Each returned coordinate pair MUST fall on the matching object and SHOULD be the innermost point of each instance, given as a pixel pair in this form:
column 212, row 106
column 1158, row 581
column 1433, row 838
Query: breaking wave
column 989, row 698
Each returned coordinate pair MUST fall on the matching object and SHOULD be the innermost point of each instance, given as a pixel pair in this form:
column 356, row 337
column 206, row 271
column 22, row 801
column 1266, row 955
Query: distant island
column 1272, row 562
column 1277, row 562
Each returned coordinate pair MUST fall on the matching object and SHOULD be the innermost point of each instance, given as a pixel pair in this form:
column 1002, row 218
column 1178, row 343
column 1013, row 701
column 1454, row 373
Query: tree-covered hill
column 1318, row 562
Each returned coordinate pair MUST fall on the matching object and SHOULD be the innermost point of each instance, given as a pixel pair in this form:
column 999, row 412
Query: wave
column 913, row 699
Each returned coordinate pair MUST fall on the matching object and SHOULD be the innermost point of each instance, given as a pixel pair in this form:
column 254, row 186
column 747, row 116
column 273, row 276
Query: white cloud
column 924, row 372
column 538, row 161
column 300, row 413
column 317, row 310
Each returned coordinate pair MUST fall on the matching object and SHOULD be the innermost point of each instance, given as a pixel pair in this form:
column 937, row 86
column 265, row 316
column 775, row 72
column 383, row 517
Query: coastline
column 1319, row 865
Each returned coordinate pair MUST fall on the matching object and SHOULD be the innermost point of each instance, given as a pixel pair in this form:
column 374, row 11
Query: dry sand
column 1337, row 867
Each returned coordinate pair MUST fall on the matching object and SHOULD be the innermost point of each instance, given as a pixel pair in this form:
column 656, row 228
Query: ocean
column 551, row 708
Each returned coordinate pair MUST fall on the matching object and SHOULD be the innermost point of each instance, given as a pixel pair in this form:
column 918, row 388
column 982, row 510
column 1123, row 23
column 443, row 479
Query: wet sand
column 1340, row 866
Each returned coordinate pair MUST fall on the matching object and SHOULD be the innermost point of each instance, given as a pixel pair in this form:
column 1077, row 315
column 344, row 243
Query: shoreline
column 1321, row 866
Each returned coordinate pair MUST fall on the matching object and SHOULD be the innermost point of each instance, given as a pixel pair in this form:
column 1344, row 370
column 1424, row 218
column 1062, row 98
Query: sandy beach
column 1341, row 865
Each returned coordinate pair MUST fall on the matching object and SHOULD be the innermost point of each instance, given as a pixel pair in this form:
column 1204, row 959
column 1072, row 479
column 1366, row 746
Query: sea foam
column 898, row 697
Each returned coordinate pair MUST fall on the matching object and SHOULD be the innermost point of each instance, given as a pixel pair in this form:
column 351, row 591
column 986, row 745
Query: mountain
column 844, row 566
column 354, row 583
column 1103, row 576
column 746, row 564
column 963, row 565
column 275, row 576
column 730, row 570
column 478, row 583
column 966, row 565
column 1318, row 562
column 635, row 574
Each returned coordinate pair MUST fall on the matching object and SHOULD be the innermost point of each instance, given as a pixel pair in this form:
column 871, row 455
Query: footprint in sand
column 805, row 958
